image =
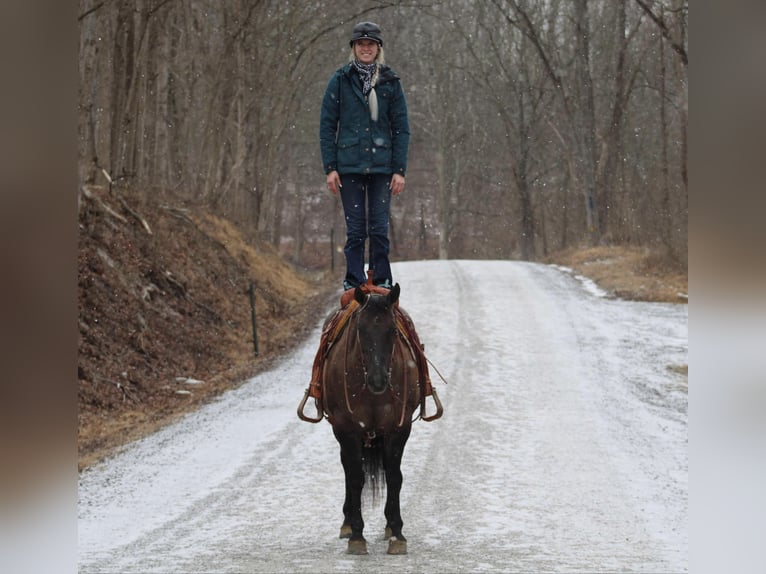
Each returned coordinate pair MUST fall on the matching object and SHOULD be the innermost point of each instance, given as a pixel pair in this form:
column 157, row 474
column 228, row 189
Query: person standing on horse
column 364, row 136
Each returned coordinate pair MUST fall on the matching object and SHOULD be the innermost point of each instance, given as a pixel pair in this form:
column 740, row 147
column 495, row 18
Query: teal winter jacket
column 351, row 142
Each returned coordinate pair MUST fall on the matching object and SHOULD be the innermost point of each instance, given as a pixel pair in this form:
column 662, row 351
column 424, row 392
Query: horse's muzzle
column 377, row 384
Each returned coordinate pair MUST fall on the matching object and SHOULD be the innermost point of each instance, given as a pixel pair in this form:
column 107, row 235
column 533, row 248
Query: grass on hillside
column 633, row 273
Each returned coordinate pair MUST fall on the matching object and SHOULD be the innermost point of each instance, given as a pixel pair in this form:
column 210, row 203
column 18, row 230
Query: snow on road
column 563, row 448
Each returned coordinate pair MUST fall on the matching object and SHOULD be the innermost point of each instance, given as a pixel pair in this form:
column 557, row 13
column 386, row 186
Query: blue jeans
column 367, row 207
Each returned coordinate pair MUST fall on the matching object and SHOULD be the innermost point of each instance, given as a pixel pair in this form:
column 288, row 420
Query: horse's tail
column 374, row 469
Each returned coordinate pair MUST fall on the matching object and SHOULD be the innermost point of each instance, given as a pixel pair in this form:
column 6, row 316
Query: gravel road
column 563, row 448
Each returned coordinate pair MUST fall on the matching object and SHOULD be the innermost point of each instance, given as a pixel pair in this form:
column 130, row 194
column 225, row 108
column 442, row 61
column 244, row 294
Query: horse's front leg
column 393, row 452
column 353, row 525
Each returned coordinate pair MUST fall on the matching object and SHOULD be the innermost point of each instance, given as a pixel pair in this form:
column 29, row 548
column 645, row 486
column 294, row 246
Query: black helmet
column 368, row 30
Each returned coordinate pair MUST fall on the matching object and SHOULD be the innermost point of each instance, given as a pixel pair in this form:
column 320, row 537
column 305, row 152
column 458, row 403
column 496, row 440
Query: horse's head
column 376, row 334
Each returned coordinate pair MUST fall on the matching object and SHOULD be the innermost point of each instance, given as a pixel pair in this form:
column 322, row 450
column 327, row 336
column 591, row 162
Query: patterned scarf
column 366, row 72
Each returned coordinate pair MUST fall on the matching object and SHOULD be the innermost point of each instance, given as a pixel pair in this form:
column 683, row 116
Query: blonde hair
column 380, row 58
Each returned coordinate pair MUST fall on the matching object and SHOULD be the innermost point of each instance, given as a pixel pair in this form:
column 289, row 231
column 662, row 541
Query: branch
column 156, row 8
column 87, row 13
column 101, row 204
column 179, row 213
column 323, row 32
column 137, row 215
column 528, row 29
column 665, row 31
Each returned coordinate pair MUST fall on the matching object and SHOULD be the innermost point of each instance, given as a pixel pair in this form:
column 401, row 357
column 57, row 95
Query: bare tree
column 678, row 44
column 535, row 125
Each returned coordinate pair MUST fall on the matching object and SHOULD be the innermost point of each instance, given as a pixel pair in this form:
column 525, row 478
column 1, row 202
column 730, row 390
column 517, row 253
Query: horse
column 370, row 393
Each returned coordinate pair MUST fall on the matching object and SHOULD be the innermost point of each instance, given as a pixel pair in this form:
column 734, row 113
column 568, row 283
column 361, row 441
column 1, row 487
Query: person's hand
column 333, row 182
column 397, row 184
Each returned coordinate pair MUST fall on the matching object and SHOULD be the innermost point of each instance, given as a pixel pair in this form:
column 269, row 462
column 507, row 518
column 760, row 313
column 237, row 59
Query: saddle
column 335, row 326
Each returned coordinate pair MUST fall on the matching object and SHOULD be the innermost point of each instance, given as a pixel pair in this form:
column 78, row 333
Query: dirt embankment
column 165, row 316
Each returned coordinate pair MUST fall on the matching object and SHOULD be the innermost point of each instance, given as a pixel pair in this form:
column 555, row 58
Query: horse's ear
column 393, row 295
column 359, row 295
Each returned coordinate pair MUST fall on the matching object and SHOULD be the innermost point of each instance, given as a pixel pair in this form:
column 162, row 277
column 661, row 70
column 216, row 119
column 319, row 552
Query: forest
column 536, row 126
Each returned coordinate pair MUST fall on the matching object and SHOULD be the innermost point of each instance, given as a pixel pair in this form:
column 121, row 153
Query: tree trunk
column 123, row 70
column 612, row 146
column 445, row 215
column 664, row 218
column 586, row 115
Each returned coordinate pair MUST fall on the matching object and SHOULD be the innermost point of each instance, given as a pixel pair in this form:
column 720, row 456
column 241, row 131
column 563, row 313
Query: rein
column 345, row 367
column 394, row 346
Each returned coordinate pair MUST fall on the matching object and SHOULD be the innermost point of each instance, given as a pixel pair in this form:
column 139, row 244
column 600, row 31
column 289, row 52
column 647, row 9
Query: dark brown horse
column 371, row 391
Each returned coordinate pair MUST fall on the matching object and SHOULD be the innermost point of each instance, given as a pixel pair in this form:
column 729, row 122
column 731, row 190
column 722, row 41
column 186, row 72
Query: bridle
column 363, row 363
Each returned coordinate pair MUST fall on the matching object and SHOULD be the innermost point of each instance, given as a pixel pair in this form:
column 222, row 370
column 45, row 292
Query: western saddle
column 333, row 329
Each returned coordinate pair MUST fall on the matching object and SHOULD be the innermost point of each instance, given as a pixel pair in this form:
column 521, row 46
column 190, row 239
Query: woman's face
column 365, row 51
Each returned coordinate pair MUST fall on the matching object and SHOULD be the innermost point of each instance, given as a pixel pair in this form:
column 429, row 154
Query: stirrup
column 439, row 408
column 302, row 406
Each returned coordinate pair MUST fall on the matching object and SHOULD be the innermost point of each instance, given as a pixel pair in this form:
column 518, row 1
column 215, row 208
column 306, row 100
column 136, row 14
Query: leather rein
column 346, row 353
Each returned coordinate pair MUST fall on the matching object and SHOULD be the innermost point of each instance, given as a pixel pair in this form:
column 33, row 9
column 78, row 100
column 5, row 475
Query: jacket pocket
column 348, row 154
column 381, row 154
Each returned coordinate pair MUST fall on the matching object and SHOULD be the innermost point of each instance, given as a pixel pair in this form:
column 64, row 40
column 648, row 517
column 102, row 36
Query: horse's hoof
column 387, row 534
column 357, row 547
column 397, row 546
column 345, row 531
